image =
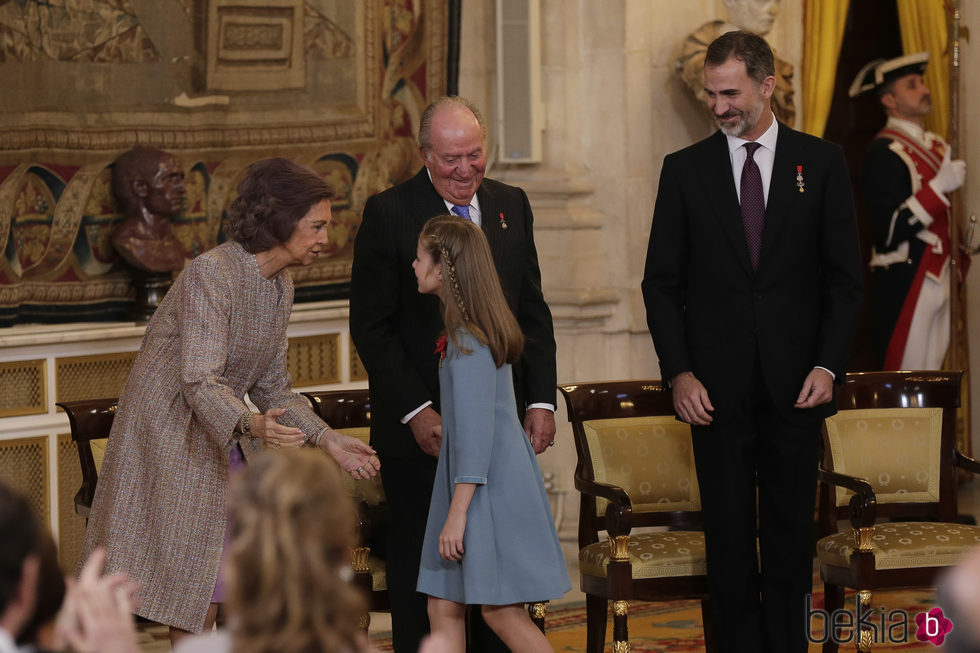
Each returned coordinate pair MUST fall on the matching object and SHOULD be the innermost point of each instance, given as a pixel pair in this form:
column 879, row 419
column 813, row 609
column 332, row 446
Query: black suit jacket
column 711, row 314
column 395, row 328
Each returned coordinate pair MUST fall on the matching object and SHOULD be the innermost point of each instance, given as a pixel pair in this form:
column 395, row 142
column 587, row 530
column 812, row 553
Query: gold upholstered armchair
column 635, row 469
column 889, row 453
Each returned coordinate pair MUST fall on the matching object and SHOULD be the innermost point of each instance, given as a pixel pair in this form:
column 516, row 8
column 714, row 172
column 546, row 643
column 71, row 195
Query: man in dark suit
column 395, row 331
column 752, row 289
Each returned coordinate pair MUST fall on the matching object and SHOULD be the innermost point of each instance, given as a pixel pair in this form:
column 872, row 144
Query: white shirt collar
column 914, row 130
column 767, row 140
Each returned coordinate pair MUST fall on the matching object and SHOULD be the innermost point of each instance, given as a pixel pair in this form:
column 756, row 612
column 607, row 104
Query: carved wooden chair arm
column 863, row 505
column 619, row 512
column 613, row 493
column 963, row 461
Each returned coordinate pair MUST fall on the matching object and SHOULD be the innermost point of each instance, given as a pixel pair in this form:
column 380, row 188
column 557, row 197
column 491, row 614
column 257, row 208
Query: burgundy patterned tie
column 753, row 204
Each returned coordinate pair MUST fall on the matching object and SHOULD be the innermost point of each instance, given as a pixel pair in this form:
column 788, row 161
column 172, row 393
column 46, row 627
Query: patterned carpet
column 676, row 627
column 673, row 627
column 656, row 627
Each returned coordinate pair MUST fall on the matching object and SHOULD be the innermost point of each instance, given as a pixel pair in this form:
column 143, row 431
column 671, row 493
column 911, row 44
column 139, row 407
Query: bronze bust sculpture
column 149, row 187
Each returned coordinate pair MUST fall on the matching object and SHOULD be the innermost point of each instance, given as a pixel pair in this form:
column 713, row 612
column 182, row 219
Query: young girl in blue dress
column 490, row 538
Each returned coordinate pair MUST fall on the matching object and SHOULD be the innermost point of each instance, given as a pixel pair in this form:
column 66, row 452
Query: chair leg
column 621, row 636
column 864, row 637
column 595, row 623
column 711, row 642
column 362, row 579
column 833, row 600
column 537, row 612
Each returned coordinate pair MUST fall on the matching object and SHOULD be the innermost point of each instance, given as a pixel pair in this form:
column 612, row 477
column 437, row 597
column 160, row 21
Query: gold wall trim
column 92, row 290
column 24, row 466
column 314, row 360
column 94, row 376
column 357, row 371
column 205, row 138
column 71, row 526
column 23, row 388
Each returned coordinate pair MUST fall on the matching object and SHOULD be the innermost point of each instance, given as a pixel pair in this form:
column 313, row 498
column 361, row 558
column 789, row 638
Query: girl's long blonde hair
column 471, row 294
column 293, row 527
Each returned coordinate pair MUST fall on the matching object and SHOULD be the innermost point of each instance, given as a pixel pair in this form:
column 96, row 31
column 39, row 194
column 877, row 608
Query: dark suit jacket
column 711, row 314
column 395, row 328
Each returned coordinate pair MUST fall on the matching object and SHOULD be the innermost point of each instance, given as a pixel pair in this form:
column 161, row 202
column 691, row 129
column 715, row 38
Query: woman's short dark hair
column 273, row 196
column 750, row 49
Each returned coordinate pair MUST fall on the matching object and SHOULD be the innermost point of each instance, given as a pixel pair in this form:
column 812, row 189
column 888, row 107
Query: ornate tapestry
column 337, row 85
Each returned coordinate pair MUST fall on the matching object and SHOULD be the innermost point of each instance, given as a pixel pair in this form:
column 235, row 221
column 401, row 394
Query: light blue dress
column 511, row 549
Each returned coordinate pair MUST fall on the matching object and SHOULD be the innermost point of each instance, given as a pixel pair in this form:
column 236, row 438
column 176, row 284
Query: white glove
column 950, row 176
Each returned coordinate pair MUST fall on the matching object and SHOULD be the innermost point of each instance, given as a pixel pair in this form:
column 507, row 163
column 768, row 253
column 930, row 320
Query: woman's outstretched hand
column 356, row 458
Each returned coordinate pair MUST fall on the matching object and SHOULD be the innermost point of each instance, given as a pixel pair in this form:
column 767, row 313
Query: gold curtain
column 923, row 24
column 823, row 32
column 924, row 28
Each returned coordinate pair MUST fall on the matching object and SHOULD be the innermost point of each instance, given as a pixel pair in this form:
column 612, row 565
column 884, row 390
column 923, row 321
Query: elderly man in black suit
column 395, row 331
column 752, row 289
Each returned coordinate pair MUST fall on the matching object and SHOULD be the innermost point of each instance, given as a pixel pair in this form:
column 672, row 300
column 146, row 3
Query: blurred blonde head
column 471, row 294
column 293, row 528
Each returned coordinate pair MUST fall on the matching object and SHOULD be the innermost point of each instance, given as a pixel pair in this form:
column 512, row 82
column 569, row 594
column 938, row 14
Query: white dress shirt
column 764, row 157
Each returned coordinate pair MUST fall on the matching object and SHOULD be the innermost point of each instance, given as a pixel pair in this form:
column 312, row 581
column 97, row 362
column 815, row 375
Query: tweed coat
column 159, row 507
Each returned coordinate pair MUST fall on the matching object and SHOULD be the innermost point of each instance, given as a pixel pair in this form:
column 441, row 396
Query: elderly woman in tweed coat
column 182, row 423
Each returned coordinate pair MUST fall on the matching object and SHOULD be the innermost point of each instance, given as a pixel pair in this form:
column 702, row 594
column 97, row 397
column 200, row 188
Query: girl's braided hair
column 471, row 296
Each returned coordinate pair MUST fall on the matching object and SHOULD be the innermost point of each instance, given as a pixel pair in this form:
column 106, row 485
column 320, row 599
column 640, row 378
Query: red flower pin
column 441, row 348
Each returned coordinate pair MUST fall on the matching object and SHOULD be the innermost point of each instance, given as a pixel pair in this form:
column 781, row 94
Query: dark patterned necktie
column 753, row 204
column 462, row 211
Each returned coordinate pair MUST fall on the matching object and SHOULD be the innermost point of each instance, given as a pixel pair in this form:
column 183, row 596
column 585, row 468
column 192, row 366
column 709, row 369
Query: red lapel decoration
column 441, row 348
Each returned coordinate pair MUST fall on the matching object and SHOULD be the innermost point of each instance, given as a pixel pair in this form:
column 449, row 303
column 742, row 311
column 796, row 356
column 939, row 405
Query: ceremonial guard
column 907, row 176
